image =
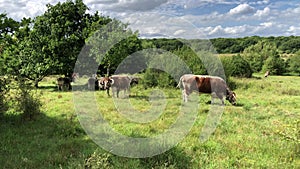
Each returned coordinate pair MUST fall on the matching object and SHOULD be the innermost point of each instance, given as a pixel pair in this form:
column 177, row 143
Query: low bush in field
column 236, row 66
column 23, row 99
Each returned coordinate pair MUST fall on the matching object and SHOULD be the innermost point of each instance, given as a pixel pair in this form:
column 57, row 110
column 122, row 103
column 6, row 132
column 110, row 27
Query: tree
column 294, row 63
column 257, row 54
column 110, row 45
column 55, row 40
column 275, row 65
column 241, row 67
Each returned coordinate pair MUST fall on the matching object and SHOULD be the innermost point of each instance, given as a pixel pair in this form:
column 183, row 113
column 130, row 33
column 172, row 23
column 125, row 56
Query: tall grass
column 253, row 134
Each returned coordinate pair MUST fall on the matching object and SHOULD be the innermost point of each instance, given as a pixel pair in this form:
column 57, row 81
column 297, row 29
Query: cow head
column 105, row 83
column 231, row 97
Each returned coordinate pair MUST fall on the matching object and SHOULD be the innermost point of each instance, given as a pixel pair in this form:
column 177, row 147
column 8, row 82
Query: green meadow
column 261, row 131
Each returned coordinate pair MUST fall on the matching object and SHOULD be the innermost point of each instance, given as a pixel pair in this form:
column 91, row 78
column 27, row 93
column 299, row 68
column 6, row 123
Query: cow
column 134, row 81
column 118, row 83
column 64, row 83
column 75, row 76
column 213, row 85
column 267, row 73
column 105, row 84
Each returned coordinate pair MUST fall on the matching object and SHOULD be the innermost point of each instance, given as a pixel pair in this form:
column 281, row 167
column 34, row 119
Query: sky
column 189, row 19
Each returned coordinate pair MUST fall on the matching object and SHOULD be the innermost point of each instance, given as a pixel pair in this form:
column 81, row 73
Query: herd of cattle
column 188, row 83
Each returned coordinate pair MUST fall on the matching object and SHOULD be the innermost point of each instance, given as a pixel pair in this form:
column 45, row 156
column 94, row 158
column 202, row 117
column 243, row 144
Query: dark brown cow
column 64, row 83
column 213, row 85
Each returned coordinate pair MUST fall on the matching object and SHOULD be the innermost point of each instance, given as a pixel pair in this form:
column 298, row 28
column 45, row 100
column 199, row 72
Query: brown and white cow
column 213, row 85
column 105, row 83
column 64, row 83
column 267, row 73
column 117, row 83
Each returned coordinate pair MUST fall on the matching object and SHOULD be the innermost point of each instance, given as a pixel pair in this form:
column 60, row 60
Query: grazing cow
column 75, row 76
column 267, row 73
column 64, row 83
column 134, row 81
column 213, row 85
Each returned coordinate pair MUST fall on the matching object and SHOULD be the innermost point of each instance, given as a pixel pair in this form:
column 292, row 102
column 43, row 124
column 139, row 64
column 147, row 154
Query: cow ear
column 111, row 81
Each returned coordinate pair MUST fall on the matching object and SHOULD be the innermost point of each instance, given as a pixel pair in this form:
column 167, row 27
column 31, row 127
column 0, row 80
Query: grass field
column 248, row 135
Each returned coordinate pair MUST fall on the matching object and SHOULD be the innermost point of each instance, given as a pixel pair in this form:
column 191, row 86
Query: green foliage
column 241, row 67
column 229, row 45
column 157, row 78
column 111, row 44
column 235, row 66
column 294, row 63
column 4, row 89
column 290, row 44
column 275, row 64
column 257, row 54
column 291, row 132
column 98, row 160
column 52, row 42
column 27, row 100
column 7, row 26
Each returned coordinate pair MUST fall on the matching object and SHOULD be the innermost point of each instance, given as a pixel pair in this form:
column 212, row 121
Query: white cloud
column 263, row 13
column 242, row 9
column 184, row 18
column 24, row 8
column 127, row 5
column 294, row 30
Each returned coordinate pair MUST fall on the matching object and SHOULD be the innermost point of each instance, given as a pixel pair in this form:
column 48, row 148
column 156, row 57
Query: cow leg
column 107, row 91
column 184, row 95
column 118, row 93
column 220, row 96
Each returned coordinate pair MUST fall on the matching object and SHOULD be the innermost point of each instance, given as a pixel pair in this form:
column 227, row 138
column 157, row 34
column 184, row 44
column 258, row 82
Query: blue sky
column 186, row 18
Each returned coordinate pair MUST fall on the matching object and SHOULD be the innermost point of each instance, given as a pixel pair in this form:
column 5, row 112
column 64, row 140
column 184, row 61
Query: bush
column 275, row 65
column 23, row 99
column 157, row 78
column 294, row 63
column 4, row 89
column 236, row 66
column 241, row 68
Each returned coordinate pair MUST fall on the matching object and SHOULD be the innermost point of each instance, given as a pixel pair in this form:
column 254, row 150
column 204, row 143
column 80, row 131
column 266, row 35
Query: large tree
column 294, row 63
column 55, row 40
column 110, row 45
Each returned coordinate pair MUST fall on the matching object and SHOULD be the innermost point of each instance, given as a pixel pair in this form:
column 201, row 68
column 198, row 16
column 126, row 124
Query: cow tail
column 179, row 83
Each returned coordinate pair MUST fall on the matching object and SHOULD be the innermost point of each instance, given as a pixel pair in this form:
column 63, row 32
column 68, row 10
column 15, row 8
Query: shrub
column 157, row 78
column 236, row 66
column 241, row 68
column 275, row 65
column 4, row 89
column 294, row 63
column 25, row 100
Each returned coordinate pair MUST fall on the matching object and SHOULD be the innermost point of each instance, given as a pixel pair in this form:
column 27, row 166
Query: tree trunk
column 36, row 84
column 107, row 71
